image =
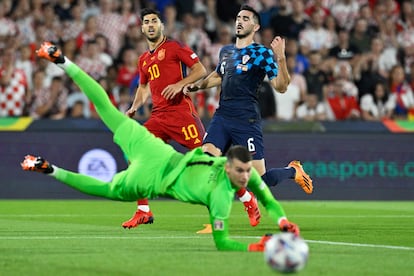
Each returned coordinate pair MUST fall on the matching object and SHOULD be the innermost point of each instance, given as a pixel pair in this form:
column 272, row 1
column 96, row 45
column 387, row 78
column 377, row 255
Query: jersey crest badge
column 218, row 225
column 144, row 63
column 161, row 54
column 245, row 59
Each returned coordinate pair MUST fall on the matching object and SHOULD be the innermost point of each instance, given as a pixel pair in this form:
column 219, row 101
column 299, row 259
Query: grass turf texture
column 85, row 237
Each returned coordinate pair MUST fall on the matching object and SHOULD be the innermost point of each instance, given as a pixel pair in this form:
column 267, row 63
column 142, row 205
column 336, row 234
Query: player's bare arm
column 141, row 95
column 281, row 82
column 197, row 72
column 211, row 80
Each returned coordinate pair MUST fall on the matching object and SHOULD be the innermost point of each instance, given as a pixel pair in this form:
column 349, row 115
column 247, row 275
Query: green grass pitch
column 85, row 237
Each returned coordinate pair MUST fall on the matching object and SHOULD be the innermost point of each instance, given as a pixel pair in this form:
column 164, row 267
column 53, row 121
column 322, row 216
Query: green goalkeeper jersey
column 156, row 169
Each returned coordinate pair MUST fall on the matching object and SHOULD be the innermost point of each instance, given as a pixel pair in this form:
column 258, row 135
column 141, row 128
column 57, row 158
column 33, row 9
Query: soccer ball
column 286, row 252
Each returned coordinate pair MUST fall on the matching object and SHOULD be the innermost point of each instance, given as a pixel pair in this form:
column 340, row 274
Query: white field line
column 198, row 216
column 382, row 246
column 362, row 245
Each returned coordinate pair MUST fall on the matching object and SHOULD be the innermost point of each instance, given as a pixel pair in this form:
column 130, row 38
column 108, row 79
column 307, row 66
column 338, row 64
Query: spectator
column 345, row 13
column 401, row 91
column 36, row 10
column 8, row 28
column 103, row 45
column 63, row 9
column 281, row 21
column 392, row 9
column 183, row 7
column 111, row 24
column 265, row 36
column 377, row 105
column 366, row 13
column 287, row 103
column 295, row 78
column 225, row 10
column 299, row 17
column 73, row 104
column 128, row 12
column 193, row 35
column 211, row 21
column 125, row 99
column 301, row 61
column 379, row 13
column 317, row 6
column 170, row 20
column 344, row 51
column 23, row 17
column 406, row 14
column 311, row 109
column 69, row 46
column 359, row 36
column 316, row 78
column 332, row 27
column 90, row 31
column 75, row 24
column 406, row 43
column 90, row 60
column 76, row 110
column 366, row 72
column 52, row 102
column 340, row 105
column 133, row 39
column 53, row 27
column 25, row 63
column 269, row 8
column 14, row 94
column 39, row 88
column 383, row 59
column 343, row 72
column 225, row 37
column 315, row 37
column 388, row 34
column 128, row 70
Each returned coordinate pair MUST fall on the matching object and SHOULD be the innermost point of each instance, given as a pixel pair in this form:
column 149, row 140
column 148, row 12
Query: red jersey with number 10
column 164, row 66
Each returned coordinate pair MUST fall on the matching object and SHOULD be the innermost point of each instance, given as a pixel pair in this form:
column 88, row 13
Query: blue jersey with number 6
column 237, row 120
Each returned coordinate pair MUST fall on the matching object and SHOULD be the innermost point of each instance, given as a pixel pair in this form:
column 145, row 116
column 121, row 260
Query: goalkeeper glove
column 287, row 226
column 259, row 246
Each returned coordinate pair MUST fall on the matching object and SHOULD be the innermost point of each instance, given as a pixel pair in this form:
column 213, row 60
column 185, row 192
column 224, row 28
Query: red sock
column 142, row 201
column 241, row 192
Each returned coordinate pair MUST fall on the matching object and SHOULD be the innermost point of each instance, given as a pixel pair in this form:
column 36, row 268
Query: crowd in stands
column 348, row 59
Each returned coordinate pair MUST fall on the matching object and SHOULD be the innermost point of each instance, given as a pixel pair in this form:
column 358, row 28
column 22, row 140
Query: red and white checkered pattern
column 12, row 96
column 113, row 27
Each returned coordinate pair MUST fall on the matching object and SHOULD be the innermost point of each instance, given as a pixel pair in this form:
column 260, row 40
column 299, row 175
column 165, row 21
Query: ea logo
column 98, row 163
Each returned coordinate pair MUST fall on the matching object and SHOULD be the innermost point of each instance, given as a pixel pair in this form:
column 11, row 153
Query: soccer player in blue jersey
column 241, row 69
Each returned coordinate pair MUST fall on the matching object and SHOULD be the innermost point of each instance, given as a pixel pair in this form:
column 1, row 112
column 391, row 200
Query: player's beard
column 156, row 37
column 243, row 35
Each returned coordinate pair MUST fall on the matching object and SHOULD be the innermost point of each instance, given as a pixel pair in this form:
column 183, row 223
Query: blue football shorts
column 224, row 132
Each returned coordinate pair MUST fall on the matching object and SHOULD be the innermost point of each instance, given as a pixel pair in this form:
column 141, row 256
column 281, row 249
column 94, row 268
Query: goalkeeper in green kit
column 156, row 169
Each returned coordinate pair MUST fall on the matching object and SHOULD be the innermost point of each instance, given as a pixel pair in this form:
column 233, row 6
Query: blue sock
column 276, row 175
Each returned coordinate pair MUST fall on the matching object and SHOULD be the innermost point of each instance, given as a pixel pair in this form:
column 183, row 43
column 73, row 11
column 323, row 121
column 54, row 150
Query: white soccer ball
column 286, row 252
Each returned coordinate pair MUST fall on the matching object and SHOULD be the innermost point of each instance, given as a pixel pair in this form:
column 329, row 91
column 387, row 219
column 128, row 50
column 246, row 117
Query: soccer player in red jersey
column 163, row 74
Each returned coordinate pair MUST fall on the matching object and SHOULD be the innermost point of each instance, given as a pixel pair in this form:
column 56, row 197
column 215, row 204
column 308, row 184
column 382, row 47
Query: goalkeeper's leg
column 109, row 114
column 83, row 183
